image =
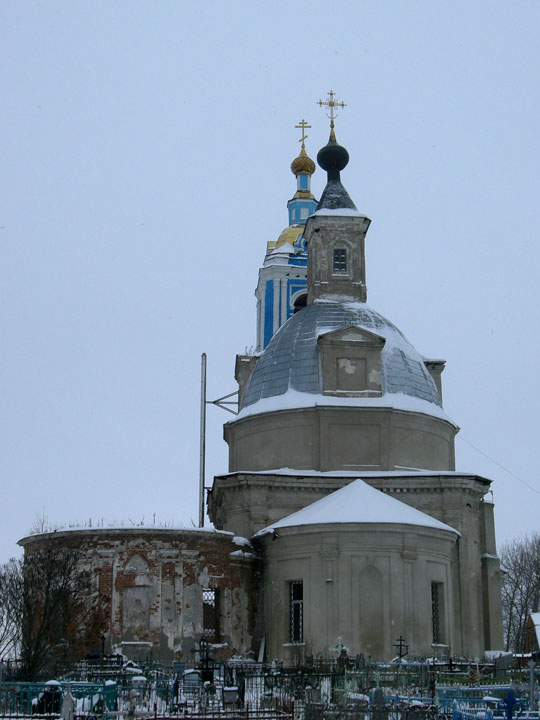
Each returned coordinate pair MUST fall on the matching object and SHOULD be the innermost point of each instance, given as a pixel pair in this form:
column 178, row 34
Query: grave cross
column 401, row 647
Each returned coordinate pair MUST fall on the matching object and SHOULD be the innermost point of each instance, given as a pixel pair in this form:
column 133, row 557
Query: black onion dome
column 333, row 158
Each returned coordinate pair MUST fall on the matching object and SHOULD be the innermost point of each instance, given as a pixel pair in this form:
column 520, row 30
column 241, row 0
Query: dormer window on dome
column 351, row 362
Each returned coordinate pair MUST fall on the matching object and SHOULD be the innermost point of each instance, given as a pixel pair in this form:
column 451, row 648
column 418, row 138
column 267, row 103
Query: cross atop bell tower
column 331, row 103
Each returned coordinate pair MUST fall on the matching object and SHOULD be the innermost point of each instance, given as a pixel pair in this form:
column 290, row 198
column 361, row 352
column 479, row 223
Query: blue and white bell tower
column 282, row 286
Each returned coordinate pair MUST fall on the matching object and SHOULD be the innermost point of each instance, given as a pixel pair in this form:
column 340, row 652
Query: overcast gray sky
column 145, row 164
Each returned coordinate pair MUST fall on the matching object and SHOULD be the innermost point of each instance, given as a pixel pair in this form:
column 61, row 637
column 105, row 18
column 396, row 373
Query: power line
column 499, row 465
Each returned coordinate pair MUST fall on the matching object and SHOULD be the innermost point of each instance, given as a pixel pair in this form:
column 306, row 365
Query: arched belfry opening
column 300, row 302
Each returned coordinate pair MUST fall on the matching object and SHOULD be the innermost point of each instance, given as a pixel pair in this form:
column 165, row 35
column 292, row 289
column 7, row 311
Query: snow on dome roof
column 358, row 502
column 291, row 359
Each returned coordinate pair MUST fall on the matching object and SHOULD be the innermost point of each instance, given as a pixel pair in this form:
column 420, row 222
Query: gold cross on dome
column 302, row 125
column 331, row 103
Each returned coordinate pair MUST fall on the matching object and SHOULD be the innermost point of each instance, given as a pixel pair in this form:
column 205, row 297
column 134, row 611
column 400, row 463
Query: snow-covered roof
column 286, row 248
column 289, row 371
column 122, row 529
column 339, row 212
column 358, row 502
column 397, row 473
column 335, row 197
column 292, row 399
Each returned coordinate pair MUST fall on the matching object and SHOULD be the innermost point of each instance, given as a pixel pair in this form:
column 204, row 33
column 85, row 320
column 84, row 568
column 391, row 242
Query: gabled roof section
column 360, row 503
column 352, row 334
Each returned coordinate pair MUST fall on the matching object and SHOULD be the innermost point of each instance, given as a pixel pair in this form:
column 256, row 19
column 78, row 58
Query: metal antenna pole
column 532, row 696
column 222, row 403
column 203, row 441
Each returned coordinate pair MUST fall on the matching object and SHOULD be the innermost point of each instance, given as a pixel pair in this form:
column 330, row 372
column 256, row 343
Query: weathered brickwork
column 151, row 581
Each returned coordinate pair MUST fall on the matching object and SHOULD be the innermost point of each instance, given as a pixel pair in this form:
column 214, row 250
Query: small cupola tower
column 303, row 203
column 282, row 286
column 335, row 233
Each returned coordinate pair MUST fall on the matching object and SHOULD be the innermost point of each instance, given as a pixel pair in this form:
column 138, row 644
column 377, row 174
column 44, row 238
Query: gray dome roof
column 291, row 360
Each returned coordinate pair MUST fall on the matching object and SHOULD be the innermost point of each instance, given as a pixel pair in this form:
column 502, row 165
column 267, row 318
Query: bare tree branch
column 520, row 589
column 10, row 608
column 48, row 609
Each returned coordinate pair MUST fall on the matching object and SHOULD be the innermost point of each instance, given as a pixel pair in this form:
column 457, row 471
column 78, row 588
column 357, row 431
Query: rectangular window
column 210, row 598
column 340, row 260
column 351, row 374
column 437, row 614
column 296, row 611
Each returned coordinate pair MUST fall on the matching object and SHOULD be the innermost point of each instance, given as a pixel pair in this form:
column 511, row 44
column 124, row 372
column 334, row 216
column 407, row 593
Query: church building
column 341, row 514
column 341, row 460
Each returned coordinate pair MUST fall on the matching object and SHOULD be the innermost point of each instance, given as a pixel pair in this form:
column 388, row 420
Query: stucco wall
column 366, row 584
column 458, row 500
column 323, row 234
column 252, row 501
column 340, row 438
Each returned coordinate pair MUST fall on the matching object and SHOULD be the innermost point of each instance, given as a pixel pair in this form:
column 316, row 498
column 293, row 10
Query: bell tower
column 281, row 290
column 336, row 232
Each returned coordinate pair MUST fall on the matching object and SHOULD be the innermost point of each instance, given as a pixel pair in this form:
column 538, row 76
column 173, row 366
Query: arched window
column 296, row 611
column 137, row 566
column 136, row 598
column 210, row 598
column 300, row 303
column 339, row 260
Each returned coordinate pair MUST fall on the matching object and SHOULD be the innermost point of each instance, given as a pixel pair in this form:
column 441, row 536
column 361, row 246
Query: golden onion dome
column 303, row 164
column 289, row 235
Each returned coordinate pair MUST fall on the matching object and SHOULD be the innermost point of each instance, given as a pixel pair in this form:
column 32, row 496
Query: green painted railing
column 25, row 698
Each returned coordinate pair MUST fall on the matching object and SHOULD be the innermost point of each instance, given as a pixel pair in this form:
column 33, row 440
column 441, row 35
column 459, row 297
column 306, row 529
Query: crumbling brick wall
column 151, row 583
